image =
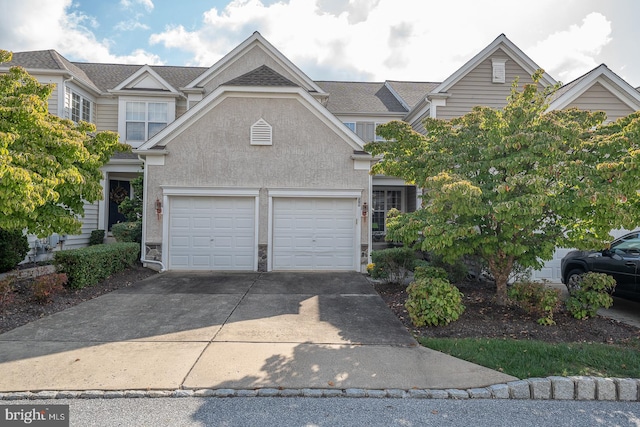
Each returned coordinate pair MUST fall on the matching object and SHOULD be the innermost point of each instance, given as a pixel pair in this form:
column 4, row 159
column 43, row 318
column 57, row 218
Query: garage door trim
column 169, row 191
column 316, row 194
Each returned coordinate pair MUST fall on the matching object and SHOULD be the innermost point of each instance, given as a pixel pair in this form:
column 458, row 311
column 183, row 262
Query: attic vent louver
column 498, row 71
column 261, row 133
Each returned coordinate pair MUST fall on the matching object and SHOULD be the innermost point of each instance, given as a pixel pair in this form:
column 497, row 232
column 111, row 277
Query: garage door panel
column 212, row 233
column 314, row 234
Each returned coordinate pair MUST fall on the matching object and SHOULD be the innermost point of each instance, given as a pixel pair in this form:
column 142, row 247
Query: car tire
column 573, row 280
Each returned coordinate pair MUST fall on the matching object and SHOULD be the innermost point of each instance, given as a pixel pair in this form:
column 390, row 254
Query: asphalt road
column 342, row 412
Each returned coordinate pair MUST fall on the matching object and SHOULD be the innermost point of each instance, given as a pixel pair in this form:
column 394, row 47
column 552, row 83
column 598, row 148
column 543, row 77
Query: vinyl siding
column 107, row 116
column 89, row 223
column 597, row 97
column 53, row 102
column 476, row 88
column 181, row 107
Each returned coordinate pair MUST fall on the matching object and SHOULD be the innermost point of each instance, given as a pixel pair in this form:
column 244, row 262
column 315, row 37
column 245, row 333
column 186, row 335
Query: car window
column 628, row 244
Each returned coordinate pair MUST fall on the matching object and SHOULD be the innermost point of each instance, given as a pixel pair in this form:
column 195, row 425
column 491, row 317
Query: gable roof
column 148, row 77
column 603, row 75
column 261, row 76
column 255, row 40
column 507, row 46
column 156, row 143
column 500, row 43
column 48, row 60
column 350, row 97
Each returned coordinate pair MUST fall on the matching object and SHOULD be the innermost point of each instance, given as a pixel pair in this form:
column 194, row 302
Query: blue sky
column 370, row 40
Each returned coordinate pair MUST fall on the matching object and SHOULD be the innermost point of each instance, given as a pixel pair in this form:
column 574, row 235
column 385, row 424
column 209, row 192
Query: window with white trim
column 384, row 200
column 351, row 126
column 80, row 108
column 144, row 119
column 366, row 130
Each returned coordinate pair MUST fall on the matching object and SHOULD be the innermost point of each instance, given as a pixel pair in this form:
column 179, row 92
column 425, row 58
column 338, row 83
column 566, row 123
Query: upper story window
column 145, row 119
column 366, row 130
column 80, row 108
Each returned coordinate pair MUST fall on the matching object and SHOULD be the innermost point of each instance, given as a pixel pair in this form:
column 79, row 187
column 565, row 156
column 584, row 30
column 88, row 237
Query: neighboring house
column 251, row 165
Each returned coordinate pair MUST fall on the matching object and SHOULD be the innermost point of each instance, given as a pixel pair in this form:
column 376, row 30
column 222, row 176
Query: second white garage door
column 314, row 234
column 212, row 233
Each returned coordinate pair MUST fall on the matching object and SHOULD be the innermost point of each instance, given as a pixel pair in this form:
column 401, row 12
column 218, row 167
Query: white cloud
column 129, row 4
column 570, row 53
column 358, row 39
column 131, row 24
column 37, row 25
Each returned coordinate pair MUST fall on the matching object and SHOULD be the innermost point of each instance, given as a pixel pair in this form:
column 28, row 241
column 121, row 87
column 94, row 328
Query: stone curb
column 550, row 388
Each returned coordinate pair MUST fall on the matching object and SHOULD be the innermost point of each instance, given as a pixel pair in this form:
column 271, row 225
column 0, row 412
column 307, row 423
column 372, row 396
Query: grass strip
column 531, row 359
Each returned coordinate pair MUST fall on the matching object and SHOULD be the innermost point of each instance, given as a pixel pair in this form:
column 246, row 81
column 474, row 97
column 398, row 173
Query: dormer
column 146, row 105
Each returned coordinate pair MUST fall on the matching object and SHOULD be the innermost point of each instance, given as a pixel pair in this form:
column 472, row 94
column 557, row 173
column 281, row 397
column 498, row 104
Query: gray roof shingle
column 345, row 97
column 261, row 76
column 412, row 92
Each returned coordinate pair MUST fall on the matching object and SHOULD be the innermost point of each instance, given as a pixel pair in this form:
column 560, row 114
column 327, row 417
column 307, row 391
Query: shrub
column 88, row 266
column 433, row 300
column 536, row 298
column 13, row 248
column 6, row 292
column 97, row 237
column 127, row 231
column 594, row 292
column 456, row 272
column 44, row 287
column 392, row 265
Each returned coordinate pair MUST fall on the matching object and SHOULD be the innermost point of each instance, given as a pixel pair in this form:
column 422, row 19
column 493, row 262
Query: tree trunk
column 500, row 267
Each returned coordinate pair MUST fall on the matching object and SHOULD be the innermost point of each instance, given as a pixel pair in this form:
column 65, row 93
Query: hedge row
column 88, row 266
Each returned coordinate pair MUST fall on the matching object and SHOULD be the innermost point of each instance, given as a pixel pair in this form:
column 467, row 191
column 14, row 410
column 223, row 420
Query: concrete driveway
column 230, row 330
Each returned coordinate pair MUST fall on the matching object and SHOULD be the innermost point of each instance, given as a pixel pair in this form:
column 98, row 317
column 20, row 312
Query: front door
column 118, row 191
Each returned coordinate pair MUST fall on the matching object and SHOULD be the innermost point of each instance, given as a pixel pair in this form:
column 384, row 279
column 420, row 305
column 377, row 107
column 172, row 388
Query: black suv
column 621, row 260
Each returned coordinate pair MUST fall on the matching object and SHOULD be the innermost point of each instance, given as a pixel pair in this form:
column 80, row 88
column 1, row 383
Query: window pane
column 157, row 112
column 75, row 107
column 86, row 110
column 351, row 125
column 378, row 200
column 377, row 221
column 136, row 111
column 394, row 199
column 135, row 131
column 154, row 128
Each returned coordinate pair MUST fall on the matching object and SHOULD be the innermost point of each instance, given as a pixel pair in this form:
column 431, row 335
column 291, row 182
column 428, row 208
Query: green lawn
column 531, row 359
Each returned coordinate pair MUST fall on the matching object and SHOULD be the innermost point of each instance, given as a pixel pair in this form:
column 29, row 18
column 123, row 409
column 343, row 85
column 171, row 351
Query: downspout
column 143, row 245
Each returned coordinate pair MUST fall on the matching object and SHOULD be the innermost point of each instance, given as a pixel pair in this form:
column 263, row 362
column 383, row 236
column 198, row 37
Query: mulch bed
column 484, row 319
column 24, row 309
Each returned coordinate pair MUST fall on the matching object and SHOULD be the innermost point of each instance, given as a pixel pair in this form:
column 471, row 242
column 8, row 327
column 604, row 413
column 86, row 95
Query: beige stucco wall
column 252, row 59
column 215, row 151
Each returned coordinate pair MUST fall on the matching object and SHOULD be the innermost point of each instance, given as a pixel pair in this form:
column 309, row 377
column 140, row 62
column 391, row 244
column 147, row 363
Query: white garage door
column 212, row 233
column 314, row 234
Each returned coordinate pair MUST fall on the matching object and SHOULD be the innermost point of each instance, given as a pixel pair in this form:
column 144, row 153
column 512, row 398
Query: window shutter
column 261, row 133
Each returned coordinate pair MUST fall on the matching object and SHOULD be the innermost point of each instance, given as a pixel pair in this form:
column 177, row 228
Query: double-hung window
column 383, row 201
column 145, row 119
column 80, row 108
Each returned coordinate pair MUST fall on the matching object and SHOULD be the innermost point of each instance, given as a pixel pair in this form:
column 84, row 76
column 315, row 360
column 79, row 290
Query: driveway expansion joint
column 550, row 388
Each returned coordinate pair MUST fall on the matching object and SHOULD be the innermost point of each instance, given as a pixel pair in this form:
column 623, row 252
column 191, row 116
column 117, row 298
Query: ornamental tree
column 510, row 185
column 49, row 166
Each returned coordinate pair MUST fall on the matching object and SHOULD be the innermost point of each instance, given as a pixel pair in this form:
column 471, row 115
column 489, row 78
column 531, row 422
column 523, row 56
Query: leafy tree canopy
column 511, row 184
column 49, row 166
